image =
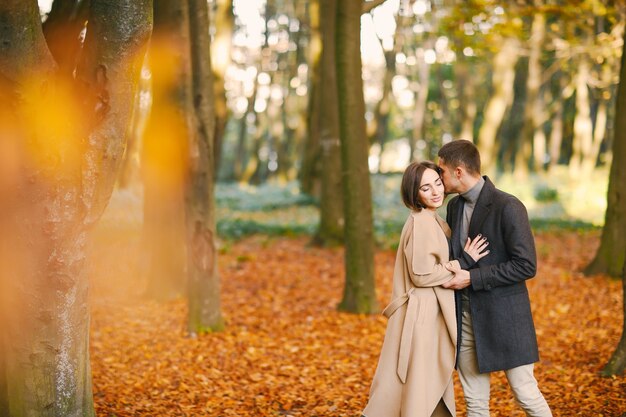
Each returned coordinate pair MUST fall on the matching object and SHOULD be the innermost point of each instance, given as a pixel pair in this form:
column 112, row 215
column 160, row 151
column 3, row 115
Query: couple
column 484, row 326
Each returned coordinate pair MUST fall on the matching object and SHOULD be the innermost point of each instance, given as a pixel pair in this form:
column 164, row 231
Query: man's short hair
column 461, row 153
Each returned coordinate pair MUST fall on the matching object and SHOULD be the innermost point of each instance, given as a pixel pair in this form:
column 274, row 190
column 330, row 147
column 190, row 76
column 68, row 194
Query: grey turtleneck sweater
column 470, row 197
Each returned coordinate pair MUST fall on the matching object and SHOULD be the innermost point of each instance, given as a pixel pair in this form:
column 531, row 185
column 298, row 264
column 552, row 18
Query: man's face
column 450, row 182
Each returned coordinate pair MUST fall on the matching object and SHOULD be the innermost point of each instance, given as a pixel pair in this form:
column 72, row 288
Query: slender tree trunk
column 71, row 166
column 556, row 134
column 382, row 111
column 610, row 256
column 617, row 362
column 421, row 99
column 532, row 111
column 331, row 226
column 359, row 293
column 164, row 152
column 220, row 60
column 502, row 84
column 468, row 97
column 240, row 152
column 599, row 129
column 204, row 285
column 130, row 173
column 583, row 129
column 310, row 166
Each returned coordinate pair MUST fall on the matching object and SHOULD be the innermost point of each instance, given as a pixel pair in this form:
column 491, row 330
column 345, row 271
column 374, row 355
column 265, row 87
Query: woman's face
column 431, row 192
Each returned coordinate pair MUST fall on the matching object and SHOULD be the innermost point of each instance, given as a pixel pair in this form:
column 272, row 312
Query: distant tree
column 359, row 293
column 332, row 221
column 220, row 60
column 67, row 123
column 308, row 175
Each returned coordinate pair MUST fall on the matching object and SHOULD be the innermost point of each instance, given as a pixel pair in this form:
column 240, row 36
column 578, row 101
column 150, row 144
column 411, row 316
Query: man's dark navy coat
column 503, row 325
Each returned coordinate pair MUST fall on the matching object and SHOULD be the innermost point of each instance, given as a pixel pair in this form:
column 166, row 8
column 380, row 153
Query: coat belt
column 407, row 329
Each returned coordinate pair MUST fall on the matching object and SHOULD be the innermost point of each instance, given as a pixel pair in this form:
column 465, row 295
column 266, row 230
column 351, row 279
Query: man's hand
column 460, row 280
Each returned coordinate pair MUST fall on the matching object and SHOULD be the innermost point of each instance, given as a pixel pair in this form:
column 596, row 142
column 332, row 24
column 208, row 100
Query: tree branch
column 368, row 6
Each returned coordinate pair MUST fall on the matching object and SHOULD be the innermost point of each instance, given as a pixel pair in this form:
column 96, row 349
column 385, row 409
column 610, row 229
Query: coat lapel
column 483, row 206
column 456, row 218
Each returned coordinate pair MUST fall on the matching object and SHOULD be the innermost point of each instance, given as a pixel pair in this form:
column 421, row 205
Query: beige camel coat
column 419, row 351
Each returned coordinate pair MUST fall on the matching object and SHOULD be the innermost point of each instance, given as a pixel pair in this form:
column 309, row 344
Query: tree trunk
column 583, row 129
column 617, row 363
column 310, row 166
column 467, row 90
column 421, row 99
column 204, row 286
column 382, row 111
column 331, row 227
column 610, row 256
column 130, row 173
column 599, row 128
column 69, row 167
column 220, row 60
column 164, row 152
column 502, row 84
column 556, row 134
column 359, row 293
column 532, row 110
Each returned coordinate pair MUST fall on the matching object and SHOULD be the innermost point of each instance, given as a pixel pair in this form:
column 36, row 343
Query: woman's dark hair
column 461, row 152
column 411, row 181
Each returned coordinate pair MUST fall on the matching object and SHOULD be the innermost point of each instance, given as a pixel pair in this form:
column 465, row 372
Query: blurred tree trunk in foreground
column 67, row 131
column 164, row 150
column 203, row 281
column 610, row 256
column 359, row 294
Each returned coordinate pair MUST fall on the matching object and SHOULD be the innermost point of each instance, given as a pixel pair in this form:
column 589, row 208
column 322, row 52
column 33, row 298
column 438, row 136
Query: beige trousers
column 476, row 386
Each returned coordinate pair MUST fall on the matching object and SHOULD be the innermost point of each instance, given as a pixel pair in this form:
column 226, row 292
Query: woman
column 414, row 373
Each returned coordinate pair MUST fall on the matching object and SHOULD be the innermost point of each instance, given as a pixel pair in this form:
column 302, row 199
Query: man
column 496, row 329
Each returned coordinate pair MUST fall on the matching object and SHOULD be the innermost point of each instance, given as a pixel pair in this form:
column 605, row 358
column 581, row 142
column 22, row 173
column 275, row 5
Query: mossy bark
column 359, row 293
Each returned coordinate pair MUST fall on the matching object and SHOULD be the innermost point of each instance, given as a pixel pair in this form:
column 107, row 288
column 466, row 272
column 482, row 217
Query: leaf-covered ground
column 286, row 351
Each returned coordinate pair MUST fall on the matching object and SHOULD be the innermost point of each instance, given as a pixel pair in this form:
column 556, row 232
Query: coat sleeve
column 520, row 249
column 426, row 258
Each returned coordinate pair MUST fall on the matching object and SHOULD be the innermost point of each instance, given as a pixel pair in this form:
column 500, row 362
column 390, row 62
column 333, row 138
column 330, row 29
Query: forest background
column 201, row 199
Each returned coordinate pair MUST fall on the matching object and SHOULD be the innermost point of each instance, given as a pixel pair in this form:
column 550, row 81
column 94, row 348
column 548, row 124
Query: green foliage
column 264, row 197
column 546, row 194
column 562, row 224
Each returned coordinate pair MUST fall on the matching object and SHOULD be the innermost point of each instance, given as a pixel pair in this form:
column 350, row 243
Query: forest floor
column 287, row 351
